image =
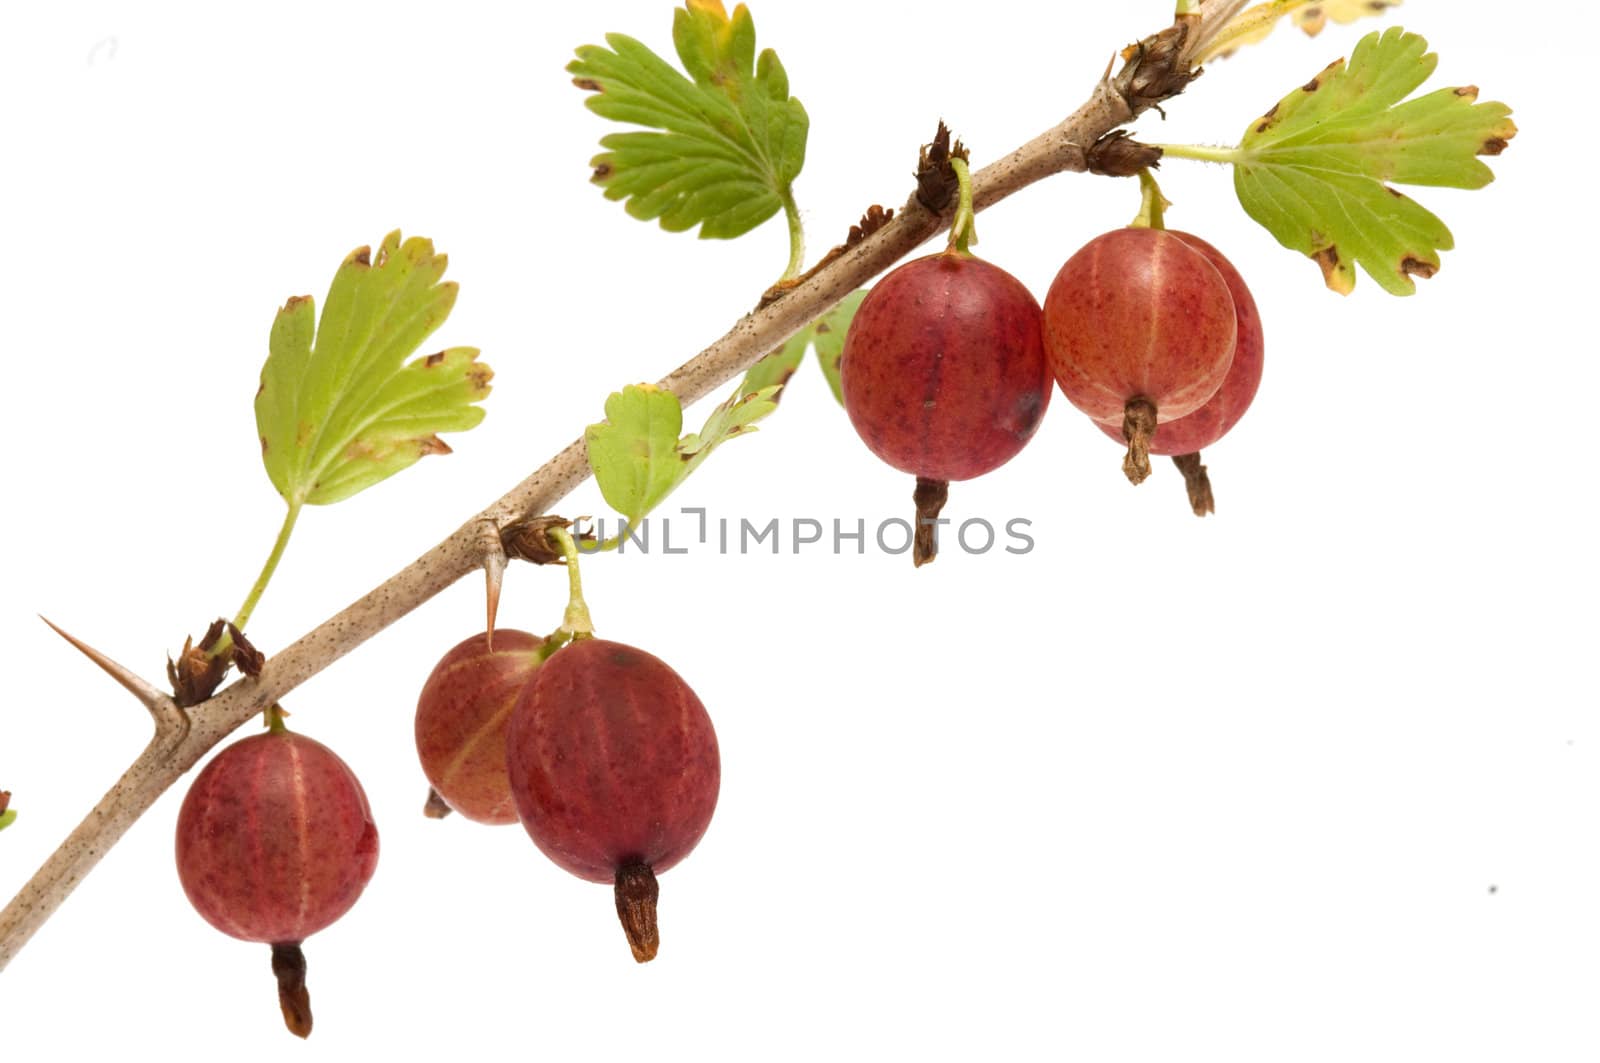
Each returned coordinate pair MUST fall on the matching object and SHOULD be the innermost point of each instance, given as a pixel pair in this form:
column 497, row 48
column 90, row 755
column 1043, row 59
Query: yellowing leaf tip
column 713, row 8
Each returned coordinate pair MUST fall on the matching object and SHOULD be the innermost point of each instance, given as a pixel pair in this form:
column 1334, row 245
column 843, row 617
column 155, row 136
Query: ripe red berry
column 615, row 769
column 462, row 716
column 944, row 373
column 1140, row 330
column 1184, row 438
column 1209, row 423
column 275, row 841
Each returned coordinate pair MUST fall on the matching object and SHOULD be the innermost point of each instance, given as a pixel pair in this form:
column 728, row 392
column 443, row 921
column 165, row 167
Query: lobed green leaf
column 726, row 142
column 825, row 335
column 339, row 408
column 636, row 453
column 1313, row 170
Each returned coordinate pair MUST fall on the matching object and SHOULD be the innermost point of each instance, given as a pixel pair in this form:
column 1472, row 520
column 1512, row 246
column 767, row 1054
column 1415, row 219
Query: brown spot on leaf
column 480, row 375
column 1267, row 119
column 432, row 360
column 361, row 256
column 296, row 300
column 302, row 436
column 1316, row 83
column 1468, row 91
column 588, row 84
column 1494, row 146
column 433, row 445
column 1415, row 267
column 602, row 172
column 263, row 444
column 1328, row 259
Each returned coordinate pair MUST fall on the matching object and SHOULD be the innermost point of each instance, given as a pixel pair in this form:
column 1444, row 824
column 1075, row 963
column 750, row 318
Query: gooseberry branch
column 1157, row 69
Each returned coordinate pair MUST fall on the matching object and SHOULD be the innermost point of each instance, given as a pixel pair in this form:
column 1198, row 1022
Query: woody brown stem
column 1198, row 483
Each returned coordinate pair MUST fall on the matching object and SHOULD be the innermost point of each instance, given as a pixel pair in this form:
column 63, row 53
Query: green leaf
column 341, row 412
column 636, row 454
column 825, row 335
column 828, row 338
column 1312, row 171
column 634, row 451
column 7, row 818
column 775, row 369
column 736, row 416
column 726, row 146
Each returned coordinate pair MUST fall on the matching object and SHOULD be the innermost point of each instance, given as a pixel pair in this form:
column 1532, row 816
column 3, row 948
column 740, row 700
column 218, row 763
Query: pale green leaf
column 776, row 368
column 339, row 407
column 1313, row 170
column 725, row 143
column 734, row 417
column 828, row 337
column 636, row 453
column 7, row 818
column 825, row 335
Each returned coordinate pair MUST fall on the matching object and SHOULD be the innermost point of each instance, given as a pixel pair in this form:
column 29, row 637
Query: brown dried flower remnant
column 936, row 179
column 529, row 540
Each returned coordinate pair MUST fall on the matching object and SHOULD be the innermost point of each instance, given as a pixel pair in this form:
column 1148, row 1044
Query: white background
column 1317, row 778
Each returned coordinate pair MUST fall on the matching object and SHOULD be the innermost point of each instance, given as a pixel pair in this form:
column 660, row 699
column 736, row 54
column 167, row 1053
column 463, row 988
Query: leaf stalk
column 267, row 570
column 1201, row 153
column 797, row 237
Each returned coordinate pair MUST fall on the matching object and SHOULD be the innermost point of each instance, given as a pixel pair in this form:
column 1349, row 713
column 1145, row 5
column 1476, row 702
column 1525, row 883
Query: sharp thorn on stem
column 161, row 706
column 494, row 572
